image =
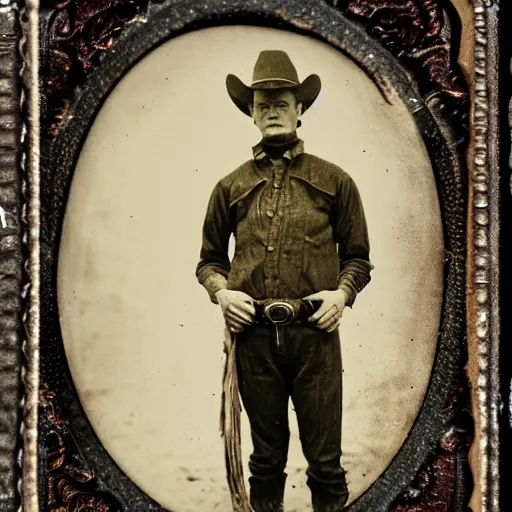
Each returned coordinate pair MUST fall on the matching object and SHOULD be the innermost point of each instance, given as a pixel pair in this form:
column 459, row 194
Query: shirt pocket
column 241, row 210
column 320, row 263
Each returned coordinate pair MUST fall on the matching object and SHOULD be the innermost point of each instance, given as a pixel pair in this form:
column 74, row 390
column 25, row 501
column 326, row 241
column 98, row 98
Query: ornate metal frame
column 45, row 463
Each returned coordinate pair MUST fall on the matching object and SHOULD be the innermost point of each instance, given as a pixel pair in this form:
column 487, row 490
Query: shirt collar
column 259, row 152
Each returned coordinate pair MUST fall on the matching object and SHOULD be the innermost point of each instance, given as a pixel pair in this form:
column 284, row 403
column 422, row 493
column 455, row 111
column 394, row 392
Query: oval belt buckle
column 279, row 313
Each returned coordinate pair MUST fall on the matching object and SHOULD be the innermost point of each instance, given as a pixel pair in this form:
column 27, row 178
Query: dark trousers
column 306, row 367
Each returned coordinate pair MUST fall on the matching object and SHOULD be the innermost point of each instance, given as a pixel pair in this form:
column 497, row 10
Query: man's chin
column 278, row 134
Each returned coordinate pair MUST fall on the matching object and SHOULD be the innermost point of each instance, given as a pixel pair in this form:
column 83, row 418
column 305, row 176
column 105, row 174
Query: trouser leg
column 265, row 397
column 317, row 397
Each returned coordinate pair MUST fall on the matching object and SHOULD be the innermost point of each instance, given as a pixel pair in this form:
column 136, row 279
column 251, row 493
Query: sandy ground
column 204, row 487
column 201, row 487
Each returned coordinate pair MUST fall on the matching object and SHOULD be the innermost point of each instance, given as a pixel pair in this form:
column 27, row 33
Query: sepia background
column 143, row 341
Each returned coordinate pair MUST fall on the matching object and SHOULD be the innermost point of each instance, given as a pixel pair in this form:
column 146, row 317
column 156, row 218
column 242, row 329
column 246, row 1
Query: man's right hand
column 238, row 309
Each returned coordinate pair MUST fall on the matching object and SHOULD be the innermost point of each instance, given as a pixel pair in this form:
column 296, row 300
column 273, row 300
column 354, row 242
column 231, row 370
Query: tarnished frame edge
column 483, row 257
column 29, row 101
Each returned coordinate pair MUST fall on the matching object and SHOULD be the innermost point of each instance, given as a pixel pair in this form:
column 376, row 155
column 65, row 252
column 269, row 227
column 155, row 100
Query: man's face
column 275, row 112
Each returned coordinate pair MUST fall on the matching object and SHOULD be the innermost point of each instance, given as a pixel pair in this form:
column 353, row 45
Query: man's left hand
column 328, row 316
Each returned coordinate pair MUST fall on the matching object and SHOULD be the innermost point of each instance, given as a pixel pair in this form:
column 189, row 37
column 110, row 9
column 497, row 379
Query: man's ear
column 299, row 110
column 251, row 112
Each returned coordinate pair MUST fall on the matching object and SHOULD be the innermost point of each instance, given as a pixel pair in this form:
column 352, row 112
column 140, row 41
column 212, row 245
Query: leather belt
column 285, row 312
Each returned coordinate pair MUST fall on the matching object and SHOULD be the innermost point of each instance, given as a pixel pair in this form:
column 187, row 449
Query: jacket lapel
column 246, row 180
column 315, row 172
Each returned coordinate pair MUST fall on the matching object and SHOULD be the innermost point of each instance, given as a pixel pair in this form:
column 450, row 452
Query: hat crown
column 274, row 65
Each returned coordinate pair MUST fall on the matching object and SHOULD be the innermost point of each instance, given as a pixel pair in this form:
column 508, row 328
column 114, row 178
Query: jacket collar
column 301, row 166
column 312, row 170
column 259, row 153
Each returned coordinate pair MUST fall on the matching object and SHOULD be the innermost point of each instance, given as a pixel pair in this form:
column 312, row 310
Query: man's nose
column 273, row 111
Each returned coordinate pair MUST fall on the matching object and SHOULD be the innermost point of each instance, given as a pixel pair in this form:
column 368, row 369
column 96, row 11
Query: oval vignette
column 143, row 341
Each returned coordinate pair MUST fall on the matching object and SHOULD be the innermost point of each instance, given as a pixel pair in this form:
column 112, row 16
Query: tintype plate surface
column 121, row 387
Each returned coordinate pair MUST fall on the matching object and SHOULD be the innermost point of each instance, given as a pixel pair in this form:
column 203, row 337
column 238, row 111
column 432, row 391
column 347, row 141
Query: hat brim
column 242, row 95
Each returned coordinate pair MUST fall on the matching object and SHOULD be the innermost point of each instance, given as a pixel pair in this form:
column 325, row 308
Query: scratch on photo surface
column 3, row 220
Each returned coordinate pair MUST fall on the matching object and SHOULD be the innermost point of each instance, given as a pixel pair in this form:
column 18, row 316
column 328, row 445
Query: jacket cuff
column 212, row 281
column 349, row 292
column 354, row 276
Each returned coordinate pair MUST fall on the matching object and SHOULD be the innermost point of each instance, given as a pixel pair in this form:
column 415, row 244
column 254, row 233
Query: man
column 300, row 233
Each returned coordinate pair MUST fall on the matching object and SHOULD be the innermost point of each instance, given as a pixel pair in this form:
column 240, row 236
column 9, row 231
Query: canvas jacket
column 299, row 228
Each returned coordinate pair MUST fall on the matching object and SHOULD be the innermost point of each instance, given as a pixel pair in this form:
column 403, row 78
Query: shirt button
column 276, row 185
column 270, row 248
column 270, row 213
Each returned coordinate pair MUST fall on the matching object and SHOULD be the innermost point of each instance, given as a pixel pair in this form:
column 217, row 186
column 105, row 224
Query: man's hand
column 328, row 316
column 237, row 307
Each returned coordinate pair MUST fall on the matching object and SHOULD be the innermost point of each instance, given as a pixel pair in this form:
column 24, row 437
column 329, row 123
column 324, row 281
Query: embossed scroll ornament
column 444, row 483
column 413, row 30
column 73, row 35
column 71, row 481
column 436, row 486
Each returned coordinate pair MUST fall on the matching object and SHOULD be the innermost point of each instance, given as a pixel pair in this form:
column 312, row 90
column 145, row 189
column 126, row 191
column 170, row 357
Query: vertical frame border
column 505, row 295
column 29, row 49
column 483, row 257
column 12, row 253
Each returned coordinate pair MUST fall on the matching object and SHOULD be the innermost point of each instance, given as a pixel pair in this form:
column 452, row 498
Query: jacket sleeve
column 214, row 266
column 351, row 235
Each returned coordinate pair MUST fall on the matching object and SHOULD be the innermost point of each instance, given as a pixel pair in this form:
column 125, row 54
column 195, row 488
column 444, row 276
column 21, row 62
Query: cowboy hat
column 273, row 70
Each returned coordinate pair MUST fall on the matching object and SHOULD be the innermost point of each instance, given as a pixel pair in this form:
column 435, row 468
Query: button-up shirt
column 299, row 228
